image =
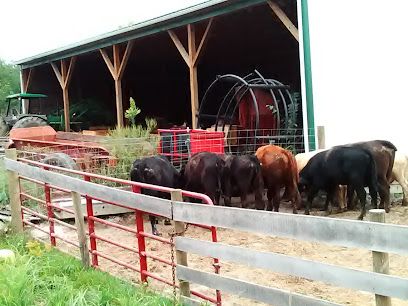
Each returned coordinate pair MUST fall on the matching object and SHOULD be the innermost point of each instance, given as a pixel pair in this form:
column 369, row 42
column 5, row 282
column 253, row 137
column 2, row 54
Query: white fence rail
column 348, row 233
column 373, row 236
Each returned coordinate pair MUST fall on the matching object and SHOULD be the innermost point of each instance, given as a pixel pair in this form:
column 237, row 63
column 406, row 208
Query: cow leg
column 244, row 203
column 217, row 197
column 350, row 195
column 361, row 193
column 294, row 197
column 276, row 200
column 384, row 191
column 310, row 196
column 227, row 201
column 400, row 178
column 329, row 200
column 341, row 197
column 259, row 203
column 270, row 195
column 153, row 221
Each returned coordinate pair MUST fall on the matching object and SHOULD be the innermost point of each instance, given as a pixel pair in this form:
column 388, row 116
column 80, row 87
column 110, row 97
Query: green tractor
column 23, row 111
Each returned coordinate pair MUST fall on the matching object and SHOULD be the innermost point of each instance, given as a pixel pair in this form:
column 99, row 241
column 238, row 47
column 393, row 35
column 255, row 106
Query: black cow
column 202, row 174
column 155, row 170
column 242, row 175
column 384, row 154
column 341, row 165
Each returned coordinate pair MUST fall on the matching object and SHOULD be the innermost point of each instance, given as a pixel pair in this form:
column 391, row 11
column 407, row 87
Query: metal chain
column 173, row 268
column 173, row 264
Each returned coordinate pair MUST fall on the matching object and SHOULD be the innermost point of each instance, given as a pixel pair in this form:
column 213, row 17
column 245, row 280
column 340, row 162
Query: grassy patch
column 45, row 276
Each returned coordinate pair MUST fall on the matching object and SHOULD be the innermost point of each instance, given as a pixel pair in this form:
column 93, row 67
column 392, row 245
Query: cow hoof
column 167, row 222
column 387, row 210
column 295, row 212
column 156, row 233
column 360, row 217
column 307, row 213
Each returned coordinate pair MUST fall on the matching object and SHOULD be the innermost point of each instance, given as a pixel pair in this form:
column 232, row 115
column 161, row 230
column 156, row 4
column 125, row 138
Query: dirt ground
column 347, row 257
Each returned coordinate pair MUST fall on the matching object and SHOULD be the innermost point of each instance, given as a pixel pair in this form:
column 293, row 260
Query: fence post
column 91, row 226
column 380, row 259
column 181, row 257
column 141, row 243
column 80, row 225
column 14, row 194
column 321, row 137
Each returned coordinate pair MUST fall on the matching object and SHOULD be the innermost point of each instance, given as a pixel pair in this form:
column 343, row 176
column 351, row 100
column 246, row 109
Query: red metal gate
column 138, row 230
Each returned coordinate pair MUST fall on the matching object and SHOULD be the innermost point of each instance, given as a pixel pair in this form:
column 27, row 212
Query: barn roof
column 176, row 19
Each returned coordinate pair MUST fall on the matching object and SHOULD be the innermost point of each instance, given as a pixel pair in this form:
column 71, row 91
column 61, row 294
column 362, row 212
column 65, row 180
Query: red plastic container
column 182, row 143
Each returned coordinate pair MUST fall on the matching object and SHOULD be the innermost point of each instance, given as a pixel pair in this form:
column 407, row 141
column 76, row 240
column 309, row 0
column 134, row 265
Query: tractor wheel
column 60, row 160
column 28, row 122
column 4, row 129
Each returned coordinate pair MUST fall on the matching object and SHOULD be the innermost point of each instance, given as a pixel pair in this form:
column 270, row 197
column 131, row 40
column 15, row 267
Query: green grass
column 43, row 276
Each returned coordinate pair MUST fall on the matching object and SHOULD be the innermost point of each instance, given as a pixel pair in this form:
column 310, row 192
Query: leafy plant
column 127, row 144
column 132, row 111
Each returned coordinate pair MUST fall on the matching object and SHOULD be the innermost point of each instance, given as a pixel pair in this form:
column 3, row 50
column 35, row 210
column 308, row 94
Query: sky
column 31, row 27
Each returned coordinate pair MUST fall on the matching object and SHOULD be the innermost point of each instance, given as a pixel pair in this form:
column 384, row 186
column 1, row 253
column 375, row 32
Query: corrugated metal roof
column 176, row 19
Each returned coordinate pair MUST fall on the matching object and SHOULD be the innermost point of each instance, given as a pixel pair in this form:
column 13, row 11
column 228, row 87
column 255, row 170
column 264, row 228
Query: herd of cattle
column 341, row 172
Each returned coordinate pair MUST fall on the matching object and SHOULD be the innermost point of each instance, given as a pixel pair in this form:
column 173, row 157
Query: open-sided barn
column 167, row 63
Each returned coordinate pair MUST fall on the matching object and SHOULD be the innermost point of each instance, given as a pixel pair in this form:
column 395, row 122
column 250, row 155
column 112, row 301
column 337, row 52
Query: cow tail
column 219, row 165
column 373, row 182
column 293, row 166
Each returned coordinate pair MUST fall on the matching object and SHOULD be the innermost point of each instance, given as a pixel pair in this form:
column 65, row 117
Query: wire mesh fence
column 114, row 156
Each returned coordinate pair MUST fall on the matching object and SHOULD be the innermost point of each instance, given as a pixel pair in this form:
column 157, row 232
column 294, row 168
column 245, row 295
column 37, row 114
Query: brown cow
column 279, row 170
column 384, row 154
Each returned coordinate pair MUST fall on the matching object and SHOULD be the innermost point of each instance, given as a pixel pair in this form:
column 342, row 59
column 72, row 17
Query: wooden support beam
column 179, row 47
column 26, row 79
column 108, row 62
column 193, row 74
column 192, row 58
column 119, row 104
column 57, row 74
column 70, row 71
column 125, row 59
column 203, row 42
column 117, row 68
column 284, row 18
column 64, row 76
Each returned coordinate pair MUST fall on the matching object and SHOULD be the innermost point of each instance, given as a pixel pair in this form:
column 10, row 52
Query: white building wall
column 359, row 52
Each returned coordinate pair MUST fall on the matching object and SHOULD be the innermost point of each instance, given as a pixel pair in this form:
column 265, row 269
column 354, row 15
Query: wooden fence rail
column 378, row 237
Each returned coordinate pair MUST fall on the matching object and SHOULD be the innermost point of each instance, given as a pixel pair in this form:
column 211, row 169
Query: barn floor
column 347, row 257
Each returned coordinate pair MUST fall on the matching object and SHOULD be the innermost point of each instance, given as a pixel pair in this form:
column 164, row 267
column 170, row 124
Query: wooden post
column 381, row 262
column 14, row 194
column 117, row 68
column 321, row 137
column 284, row 18
column 181, row 257
column 192, row 58
column 64, row 75
column 80, row 225
column 26, row 79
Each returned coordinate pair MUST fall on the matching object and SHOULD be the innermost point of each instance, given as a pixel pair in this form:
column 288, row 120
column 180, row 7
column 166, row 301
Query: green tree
column 9, row 81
